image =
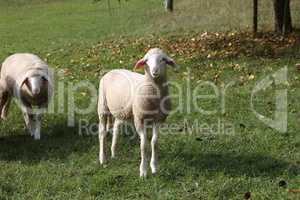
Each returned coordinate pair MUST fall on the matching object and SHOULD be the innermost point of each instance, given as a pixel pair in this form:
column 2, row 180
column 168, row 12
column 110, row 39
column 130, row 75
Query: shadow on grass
column 244, row 164
column 57, row 142
column 200, row 163
column 177, row 160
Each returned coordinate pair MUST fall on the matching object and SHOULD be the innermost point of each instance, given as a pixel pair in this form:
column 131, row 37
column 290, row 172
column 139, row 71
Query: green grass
column 82, row 40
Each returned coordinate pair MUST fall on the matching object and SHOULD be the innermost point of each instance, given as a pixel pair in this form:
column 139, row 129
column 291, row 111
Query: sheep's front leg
column 102, row 139
column 37, row 127
column 33, row 124
column 143, row 142
column 143, row 165
column 115, row 137
column 28, row 118
column 153, row 162
column 5, row 107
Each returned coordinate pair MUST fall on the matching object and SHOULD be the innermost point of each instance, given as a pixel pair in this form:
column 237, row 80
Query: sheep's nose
column 155, row 73
column 35, row 91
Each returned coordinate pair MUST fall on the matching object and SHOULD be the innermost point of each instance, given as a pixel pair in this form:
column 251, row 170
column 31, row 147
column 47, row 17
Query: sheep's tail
column 103, row 111
column 102, row 105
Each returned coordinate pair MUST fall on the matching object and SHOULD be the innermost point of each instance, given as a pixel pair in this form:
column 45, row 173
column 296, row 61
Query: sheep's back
column 20, row 63
column 16, row 67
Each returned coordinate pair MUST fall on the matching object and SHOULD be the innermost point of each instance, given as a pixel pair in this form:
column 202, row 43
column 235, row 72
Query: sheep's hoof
column 143, row 174
column 153, row 166
column 36, row 136
column 104, row 166
column 102, row 161
column 153, row 170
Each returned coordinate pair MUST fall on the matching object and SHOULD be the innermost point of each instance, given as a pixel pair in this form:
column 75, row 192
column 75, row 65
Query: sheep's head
column 35, row 83
column 155, row 62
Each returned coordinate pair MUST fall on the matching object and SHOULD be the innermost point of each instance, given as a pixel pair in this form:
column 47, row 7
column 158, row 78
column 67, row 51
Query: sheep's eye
column 44, row 79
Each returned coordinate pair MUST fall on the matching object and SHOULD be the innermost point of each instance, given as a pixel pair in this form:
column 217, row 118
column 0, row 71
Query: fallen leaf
column 251, row 77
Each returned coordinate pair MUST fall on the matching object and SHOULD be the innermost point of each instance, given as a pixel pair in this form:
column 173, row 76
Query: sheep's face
column 156, row 63
column 35, row 83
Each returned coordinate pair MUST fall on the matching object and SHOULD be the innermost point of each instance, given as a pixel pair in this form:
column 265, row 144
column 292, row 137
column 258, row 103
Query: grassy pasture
column 81, row 39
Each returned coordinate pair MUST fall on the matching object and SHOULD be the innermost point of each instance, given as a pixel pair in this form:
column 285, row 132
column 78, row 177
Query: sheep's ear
column 27, row 83
column 171, row 62
column 140, row 64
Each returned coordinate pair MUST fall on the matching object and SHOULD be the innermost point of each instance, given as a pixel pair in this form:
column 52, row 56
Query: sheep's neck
column 160, row 83
column 151, row 87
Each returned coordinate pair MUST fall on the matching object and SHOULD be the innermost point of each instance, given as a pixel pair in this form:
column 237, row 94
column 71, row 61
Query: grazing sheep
column 27, row 78
column 142, row 99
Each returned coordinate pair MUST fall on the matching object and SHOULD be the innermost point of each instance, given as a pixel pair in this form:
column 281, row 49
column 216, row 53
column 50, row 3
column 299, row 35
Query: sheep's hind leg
column 109, row 123
column 102, row 138
column 153, row 162
column 115, row 137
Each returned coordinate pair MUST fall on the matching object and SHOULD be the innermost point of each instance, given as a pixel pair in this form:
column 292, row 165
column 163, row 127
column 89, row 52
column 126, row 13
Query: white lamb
column 142, row 99
column 27, row 78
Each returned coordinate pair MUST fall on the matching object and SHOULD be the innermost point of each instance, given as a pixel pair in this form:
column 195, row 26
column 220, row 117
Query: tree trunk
column 283, row 19
column 169, row 5
column 255, row 11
